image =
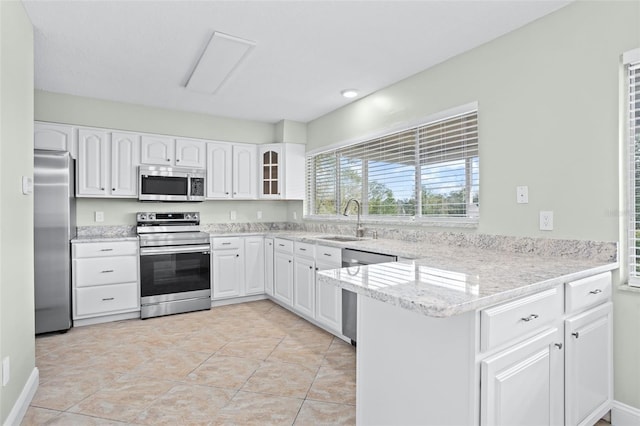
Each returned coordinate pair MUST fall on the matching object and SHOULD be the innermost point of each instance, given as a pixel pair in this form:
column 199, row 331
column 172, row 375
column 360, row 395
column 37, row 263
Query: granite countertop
column 447, row 281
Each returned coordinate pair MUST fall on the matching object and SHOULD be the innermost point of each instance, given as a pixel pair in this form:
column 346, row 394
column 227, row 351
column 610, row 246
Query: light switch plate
column 27, row 185
column 99, row 216
column 232, row 215
column 6, row 371
column 259, row 214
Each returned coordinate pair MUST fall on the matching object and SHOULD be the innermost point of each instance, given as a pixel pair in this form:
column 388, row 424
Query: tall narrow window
column 425, row 171
column 634, row 168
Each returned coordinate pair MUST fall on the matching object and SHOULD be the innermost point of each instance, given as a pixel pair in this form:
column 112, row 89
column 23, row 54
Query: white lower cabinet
column 105, row 279
column 328, row 297
column 589, row 350
column 237, row 266
column 254, row 265
column 523, row 385
column 227, row 269
column 268, row 266
column 283, row 271
column 304, row 283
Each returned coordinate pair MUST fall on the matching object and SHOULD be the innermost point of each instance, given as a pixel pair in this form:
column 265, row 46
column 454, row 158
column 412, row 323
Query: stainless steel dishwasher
column 352, row 258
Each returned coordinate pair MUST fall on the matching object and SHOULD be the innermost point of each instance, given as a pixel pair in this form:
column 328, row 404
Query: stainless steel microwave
column 160, row 183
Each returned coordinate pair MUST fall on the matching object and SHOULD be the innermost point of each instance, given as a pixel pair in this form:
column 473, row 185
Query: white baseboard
column 22, row 404
column 624, row 415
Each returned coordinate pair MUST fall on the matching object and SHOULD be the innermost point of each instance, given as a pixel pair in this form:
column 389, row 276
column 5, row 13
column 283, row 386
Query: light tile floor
column 253, row 363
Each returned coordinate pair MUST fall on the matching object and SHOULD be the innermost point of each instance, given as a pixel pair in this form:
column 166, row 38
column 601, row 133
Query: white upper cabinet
column 281, row 171
column 167, row 151
column 244, row 171
column 125, row 158
column 107, row 164
column 191, row 153
column 157, row 150
column 54, row 137
column 219, row 170
column 92, row 163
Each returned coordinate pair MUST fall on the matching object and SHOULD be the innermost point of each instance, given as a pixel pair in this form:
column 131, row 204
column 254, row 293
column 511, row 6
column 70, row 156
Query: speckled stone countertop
column 96, row 239
column 448, row 280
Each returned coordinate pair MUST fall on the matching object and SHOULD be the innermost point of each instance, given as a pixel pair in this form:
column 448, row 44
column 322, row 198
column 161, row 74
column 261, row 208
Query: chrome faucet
column 359, row 228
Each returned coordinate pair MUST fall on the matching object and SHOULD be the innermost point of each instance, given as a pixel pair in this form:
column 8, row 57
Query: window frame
column 472, row 211
column 631, row 60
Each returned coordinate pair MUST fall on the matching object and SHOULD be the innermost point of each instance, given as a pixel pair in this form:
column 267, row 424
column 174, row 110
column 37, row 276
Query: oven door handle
column 148, row 251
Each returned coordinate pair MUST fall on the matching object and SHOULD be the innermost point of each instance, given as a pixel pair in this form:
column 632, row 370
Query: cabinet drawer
column 106, row 298
column 329, row 256
column 221, row 243
column 118, row 248
column 284, row 246
column 588, row 291
column 304, row 249
column 520, row 317
column 106, row 270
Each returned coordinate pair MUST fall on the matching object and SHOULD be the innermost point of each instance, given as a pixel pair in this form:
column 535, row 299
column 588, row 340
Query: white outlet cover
column 259, row 214
column 99, row 216
column 546, row 221
column 232, row 215
column 6, row 371
column 27, row 185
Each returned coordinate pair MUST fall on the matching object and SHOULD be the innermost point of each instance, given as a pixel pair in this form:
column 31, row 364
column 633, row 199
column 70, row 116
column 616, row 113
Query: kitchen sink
column 340, row 238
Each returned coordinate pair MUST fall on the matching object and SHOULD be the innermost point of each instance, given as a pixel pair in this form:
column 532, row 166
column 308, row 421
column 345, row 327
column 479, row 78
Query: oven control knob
column 142, row 216
column 195, row 216
column 152, row 216
column 187, row 216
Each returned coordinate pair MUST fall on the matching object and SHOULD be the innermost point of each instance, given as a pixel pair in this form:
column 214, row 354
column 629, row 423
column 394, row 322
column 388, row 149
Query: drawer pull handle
column 281, row 245
column 106, row 299
column 106, row 249
column 558, row 345
column 106, row 271
column 303, row 249
column 596, row 291
column 529, row 318
column 327, row 254
column 576, row 334
column 226, row 244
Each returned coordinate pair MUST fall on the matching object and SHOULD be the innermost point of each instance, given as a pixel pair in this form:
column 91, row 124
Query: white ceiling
column 306, row 52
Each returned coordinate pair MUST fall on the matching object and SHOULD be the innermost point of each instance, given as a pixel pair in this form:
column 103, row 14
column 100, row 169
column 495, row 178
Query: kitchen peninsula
column 470, row 336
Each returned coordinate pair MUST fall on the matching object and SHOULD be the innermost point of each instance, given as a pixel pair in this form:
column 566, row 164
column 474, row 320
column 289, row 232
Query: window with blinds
column 425, row 171
column 634, row 168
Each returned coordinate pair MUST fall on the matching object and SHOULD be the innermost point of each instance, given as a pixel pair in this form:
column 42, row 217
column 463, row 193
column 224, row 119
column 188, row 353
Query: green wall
column 550, row 109
column 16, row 210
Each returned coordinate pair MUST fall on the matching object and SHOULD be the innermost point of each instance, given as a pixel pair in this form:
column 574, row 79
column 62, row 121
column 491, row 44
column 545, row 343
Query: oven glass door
column 164, row 185
column 169, row 273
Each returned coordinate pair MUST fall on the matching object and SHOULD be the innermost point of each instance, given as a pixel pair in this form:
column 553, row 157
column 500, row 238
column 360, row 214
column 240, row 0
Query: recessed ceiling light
column 349, row 93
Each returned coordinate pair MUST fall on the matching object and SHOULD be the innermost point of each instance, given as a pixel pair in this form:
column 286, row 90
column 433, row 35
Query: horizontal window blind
column 430, row 170
column 634, row 155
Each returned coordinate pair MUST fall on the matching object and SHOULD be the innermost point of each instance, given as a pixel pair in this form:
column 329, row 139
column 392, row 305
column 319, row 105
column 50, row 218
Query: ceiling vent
column 220, row 58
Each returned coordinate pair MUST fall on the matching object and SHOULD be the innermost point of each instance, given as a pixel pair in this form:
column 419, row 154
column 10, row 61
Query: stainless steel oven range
column 174, row 264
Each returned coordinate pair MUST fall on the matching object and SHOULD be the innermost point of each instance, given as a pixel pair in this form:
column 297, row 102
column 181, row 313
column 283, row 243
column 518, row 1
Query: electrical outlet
column 295, row 215
column 99, row 216
column 6, row 371
column 546, row 221
column 522, row 194
column 232, row 215
column 259, row 214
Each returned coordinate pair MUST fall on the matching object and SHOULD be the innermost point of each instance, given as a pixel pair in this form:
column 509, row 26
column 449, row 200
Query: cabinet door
column 328, row 301
column 268, row 266
column 283, row 278
column 53, row 137
column 228, row 273
column 244, row 171
column 270, row 171
column 523, row 385
column 157, row 150
column 125, row 158
column 92, row 163
column 191, row 153
column 219, row 168
column 588, row 364
column 304, row 286
column 254, row 265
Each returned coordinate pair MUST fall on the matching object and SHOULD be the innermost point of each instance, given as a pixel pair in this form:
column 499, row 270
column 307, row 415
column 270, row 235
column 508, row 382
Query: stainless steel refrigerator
column 54, row 227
